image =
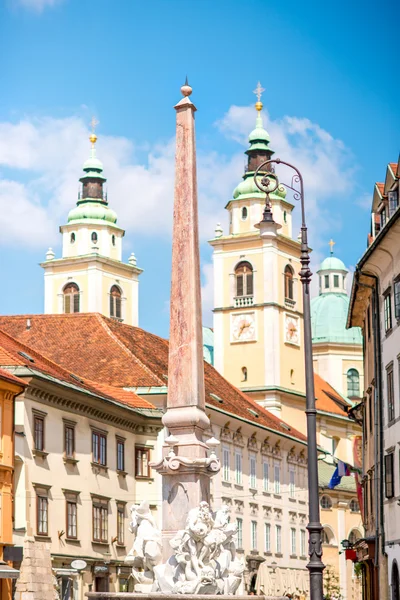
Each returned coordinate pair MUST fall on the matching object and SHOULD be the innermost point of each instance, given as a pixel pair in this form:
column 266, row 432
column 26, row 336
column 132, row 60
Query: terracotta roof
column 328, row 399
column 381, row 188
column 119, row 355
column 393, row 166
column 5, row 375
column 13, row 353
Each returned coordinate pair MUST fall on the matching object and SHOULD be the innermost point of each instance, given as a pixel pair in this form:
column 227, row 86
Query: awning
column 7, row 572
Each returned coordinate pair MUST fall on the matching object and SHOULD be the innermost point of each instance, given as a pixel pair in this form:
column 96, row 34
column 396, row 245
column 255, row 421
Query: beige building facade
column 82, row 459
column 375, row 306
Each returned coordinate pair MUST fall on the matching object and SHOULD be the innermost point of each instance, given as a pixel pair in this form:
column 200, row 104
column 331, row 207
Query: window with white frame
column 225, row 463
column 253, row 471
column 293, row 545
column 239, row 523
column 238, row 467
column 278, row 539
column 267, row 537
column 292, row 484
column 254, row 535
column 277, row 479
column 265, row 476
column 302, row 542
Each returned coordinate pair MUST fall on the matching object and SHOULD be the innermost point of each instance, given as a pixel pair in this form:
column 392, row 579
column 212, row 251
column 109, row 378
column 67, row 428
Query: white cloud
column 322, row 160
column 43, row 159
column 36, row 5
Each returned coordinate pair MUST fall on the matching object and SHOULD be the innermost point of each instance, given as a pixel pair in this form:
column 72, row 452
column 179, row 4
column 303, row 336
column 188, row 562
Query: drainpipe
column 378, row 420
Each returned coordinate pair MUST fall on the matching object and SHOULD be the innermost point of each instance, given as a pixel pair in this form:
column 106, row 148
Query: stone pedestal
column 36, row 580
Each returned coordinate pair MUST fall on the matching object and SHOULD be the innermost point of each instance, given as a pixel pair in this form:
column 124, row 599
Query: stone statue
column 204, row 559
column 146, row 551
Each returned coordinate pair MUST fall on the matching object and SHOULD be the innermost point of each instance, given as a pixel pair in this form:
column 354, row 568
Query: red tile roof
column 101, row 349
column 328, row 399
column 13, row 353
column 381, row 188
column 394, row 168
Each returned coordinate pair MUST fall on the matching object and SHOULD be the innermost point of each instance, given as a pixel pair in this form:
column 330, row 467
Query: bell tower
column 258, row 312
column 91, row 276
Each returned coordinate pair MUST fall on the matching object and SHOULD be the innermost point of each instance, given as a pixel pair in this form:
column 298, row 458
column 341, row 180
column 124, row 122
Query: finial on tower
column 331, row 244
column 93, row 136
column 258, row 92
column 186, row 89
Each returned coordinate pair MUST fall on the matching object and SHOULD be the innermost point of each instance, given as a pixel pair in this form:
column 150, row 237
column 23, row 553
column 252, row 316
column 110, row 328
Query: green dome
column 92, row 210
column 332, row 263
column 328, row 319
column 93, row 164
column 248, row 189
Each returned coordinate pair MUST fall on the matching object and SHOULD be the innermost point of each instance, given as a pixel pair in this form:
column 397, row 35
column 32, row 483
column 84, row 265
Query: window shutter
column 111, row 305
column 118, row 307
column 239, row 285
column 76, row 302
column 249, row 284
column 67, row 303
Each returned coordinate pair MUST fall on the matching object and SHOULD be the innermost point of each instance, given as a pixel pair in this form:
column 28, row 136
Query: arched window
column 113, row 240
column 244, row 279
column 289, row 290
column 354, row 535
column 71, row 298
column 327, row 536
column 72, row 238
column 115, row 302
column 395, row 581
column 326, row 502
column 244, row 213
column 244, row 372
column 353, row 383
column 354, row 506
column 94, row 237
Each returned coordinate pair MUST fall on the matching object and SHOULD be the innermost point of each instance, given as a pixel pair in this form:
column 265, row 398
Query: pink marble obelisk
column 186, row 467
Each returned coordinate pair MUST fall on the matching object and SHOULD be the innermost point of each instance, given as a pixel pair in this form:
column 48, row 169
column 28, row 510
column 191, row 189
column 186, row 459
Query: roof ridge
column 101, row 318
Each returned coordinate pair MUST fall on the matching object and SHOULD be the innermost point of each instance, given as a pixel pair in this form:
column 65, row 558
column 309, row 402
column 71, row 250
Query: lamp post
column 268, row 182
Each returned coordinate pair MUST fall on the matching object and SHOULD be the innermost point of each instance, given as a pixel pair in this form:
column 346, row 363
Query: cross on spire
column 259, row 91
column 93, row 124
column 331, row 244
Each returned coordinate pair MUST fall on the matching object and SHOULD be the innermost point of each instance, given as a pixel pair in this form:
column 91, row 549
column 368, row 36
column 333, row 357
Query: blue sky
column 331, row 101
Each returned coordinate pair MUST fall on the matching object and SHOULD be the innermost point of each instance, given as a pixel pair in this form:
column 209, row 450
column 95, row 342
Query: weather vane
column 331, row 244
column 258, row 91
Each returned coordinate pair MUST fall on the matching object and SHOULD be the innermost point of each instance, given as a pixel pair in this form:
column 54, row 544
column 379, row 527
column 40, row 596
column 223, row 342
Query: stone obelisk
column 187, row 462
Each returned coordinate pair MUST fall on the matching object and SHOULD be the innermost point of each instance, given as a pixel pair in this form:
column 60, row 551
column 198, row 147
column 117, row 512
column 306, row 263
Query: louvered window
column 71, row 298
column 115, row 302
column 244, row 279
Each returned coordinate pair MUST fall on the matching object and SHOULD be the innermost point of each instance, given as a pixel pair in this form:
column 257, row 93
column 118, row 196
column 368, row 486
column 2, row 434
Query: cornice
column 281, row 307
column 81, row 408
column 87, row 258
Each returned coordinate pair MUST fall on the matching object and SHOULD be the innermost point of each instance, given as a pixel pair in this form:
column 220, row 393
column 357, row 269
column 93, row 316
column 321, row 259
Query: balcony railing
column 244, row 300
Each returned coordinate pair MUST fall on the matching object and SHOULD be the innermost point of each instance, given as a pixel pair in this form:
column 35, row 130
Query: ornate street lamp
column 267, row 181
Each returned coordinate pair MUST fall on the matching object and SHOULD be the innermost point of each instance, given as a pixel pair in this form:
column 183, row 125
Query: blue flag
column 341, row 470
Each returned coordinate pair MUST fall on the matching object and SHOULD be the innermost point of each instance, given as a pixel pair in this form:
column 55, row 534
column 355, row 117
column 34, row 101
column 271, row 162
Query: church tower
column 90, row 276
column 337, row 351
column 258, row 312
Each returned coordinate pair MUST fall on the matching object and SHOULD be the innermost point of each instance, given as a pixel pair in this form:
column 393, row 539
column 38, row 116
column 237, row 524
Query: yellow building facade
column 91, row 276
column 258, row 311
column 10, row 387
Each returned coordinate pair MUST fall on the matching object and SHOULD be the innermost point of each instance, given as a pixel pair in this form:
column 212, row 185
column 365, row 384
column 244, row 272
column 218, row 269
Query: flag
column 341, row 470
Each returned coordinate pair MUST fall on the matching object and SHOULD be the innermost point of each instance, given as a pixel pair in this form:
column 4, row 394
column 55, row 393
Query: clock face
column 292, row 329
column 243, row 327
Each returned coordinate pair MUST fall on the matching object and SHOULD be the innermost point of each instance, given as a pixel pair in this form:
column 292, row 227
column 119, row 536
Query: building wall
column 8, row 391
column 332, row 362
column 51, row 475
column 94, row 278
column 271, row 358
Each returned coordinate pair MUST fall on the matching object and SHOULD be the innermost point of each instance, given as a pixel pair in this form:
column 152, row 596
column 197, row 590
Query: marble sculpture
column 203, row 560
